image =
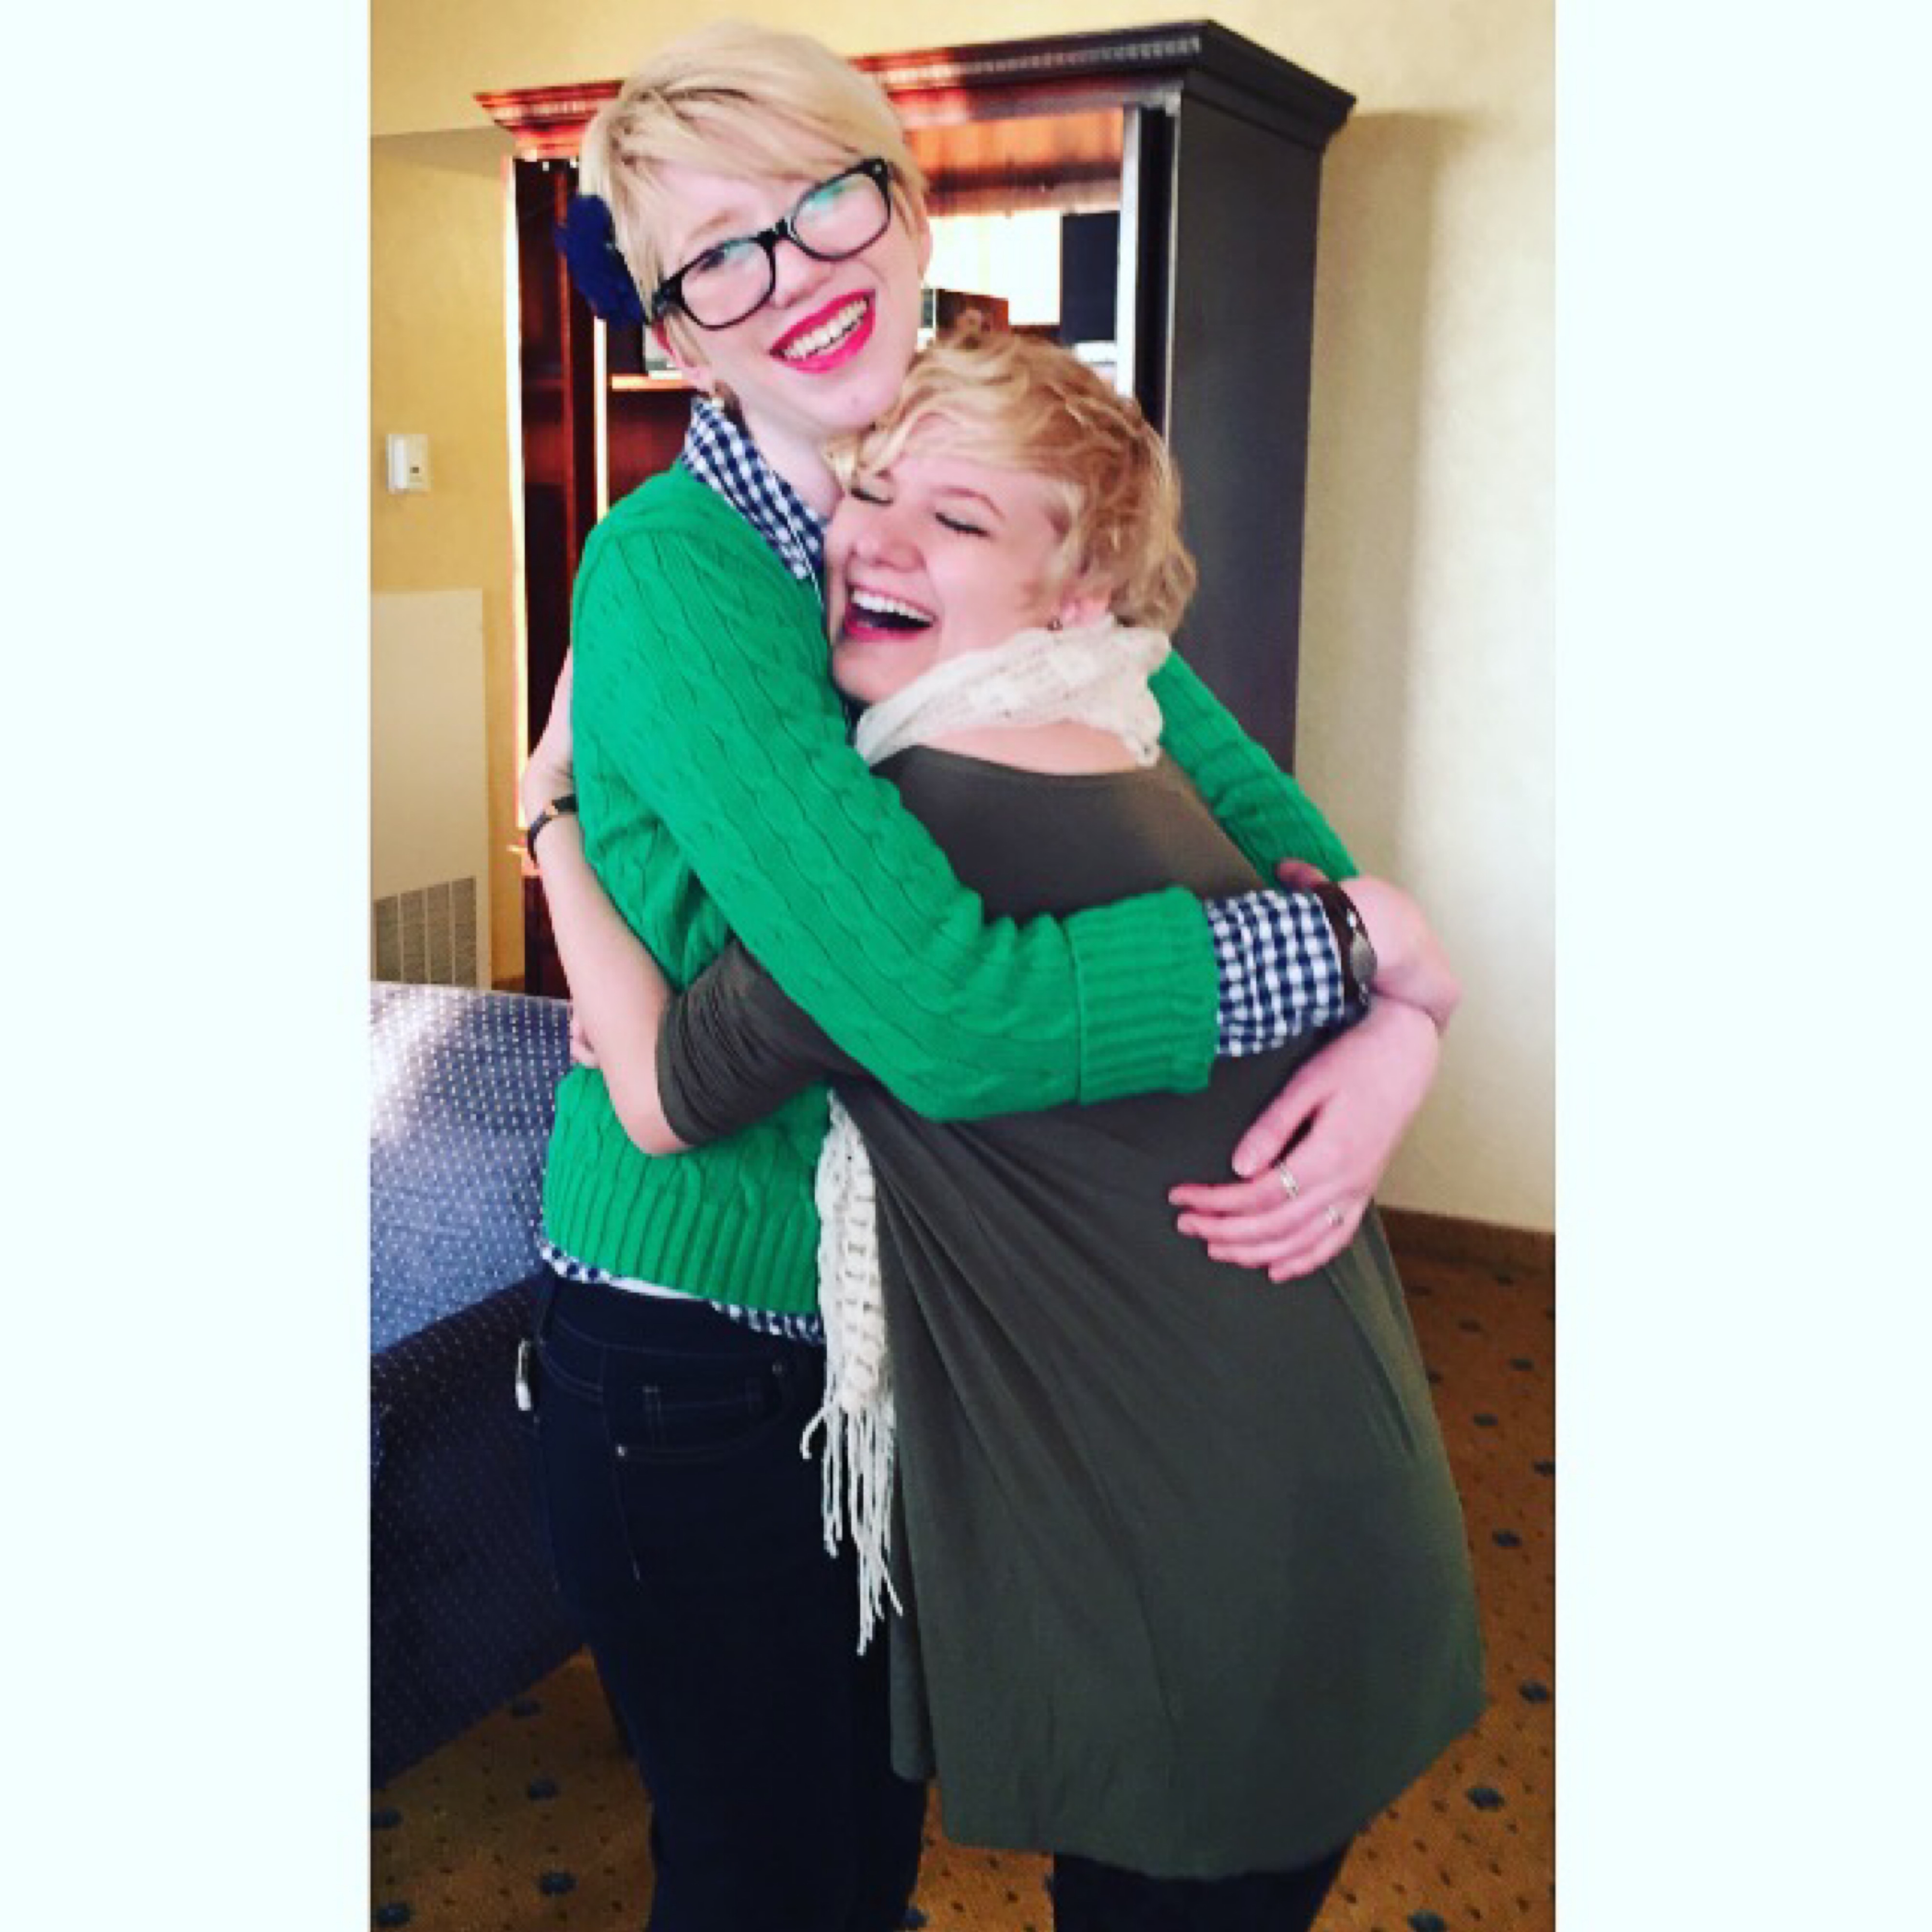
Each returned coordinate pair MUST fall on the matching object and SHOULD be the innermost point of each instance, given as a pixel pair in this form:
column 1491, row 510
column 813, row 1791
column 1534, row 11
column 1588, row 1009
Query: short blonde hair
column 1019, row 402
column 736, row 100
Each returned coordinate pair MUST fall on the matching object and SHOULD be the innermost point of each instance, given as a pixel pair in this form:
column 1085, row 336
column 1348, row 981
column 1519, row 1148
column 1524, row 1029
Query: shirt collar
column 720, row 453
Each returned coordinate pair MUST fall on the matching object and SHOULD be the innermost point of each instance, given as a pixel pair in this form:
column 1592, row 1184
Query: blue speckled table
column 463, row 1613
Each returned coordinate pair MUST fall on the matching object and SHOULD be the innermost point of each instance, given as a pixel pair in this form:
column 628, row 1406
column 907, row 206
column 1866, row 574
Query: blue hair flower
column 588, row 239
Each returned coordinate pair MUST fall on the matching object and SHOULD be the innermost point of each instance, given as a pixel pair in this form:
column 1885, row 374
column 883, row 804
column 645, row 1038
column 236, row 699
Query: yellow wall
column 437, row 366
column 1427, row 674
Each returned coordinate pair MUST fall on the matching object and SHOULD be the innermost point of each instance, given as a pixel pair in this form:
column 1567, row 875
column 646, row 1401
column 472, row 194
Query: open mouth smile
column 872, row 617
column 828, row 337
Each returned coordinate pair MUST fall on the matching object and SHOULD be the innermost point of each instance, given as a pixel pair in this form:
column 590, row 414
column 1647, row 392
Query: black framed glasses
column 731, row 280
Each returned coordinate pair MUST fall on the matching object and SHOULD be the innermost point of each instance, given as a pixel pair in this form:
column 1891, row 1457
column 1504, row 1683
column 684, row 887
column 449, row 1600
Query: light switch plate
column 408, row 463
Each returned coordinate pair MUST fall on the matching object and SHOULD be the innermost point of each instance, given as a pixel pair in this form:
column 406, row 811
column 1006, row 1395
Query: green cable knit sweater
column 720, row 794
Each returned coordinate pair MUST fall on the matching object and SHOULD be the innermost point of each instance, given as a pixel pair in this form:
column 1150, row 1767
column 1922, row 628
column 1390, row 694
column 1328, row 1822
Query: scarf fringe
column 857, row 1414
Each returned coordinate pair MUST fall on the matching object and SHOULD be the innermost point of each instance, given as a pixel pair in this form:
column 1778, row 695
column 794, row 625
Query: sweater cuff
column 1146, row 982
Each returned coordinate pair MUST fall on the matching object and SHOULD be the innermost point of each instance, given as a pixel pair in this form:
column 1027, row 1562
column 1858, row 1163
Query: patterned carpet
column 534, row 1818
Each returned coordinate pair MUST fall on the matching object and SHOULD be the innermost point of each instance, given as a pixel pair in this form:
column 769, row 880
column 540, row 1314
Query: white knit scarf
column 1095, row 675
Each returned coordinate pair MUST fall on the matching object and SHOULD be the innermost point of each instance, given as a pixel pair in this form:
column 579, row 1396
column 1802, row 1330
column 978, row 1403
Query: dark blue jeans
column 1092, row 1898
column 685, row 1529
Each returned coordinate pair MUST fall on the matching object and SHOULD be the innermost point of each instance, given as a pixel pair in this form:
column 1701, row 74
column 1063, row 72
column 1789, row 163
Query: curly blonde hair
column 1019, row 402
column 736, row 100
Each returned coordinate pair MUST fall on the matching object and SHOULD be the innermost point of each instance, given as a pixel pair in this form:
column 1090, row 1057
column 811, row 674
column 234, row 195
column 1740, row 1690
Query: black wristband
column 557, row 808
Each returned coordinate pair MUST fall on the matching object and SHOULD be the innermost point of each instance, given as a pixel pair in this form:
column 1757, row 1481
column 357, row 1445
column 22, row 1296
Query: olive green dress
column 1186, row 1581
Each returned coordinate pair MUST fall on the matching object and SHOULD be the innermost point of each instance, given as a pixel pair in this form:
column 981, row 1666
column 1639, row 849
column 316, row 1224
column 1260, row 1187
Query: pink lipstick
column 842, row 348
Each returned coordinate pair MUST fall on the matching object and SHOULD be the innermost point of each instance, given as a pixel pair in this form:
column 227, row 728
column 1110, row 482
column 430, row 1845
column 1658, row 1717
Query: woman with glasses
column 760, row 190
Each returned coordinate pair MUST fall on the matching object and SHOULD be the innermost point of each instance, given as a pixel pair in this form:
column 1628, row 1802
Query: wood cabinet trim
column 1053, row 73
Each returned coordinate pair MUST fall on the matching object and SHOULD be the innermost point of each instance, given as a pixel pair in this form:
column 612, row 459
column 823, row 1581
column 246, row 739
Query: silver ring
column 1334, row 1215
column 1285, row 1174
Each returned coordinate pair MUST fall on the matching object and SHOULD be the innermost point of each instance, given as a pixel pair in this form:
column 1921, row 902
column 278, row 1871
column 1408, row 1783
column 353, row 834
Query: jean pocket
column 701, row 1413
column 709, row 1486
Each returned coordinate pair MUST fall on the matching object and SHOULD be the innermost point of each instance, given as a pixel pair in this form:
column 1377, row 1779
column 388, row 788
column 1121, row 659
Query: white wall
column 429, row 820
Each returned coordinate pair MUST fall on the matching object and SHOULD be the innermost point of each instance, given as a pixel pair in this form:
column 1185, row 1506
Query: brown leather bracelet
column 557, row 808
column 1352, row 942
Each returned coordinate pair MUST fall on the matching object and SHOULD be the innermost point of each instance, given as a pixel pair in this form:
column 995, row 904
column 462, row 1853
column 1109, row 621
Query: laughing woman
column 1186, row 1598
column 751, row 196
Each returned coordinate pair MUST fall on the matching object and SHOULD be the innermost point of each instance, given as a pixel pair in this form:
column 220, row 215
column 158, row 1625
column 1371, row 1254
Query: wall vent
column 428, row 938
